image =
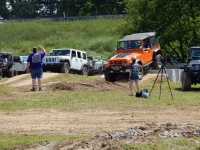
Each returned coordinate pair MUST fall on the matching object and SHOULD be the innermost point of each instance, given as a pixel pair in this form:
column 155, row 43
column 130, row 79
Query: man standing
column 34, row 66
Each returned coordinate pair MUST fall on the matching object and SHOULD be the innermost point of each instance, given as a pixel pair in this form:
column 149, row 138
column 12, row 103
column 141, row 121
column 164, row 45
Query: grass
column 72, row 101
column 12, row 140
column 176, row 144
column 95, row 36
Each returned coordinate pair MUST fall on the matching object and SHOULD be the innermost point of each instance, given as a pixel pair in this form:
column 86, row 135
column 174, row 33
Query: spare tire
column 156, row 62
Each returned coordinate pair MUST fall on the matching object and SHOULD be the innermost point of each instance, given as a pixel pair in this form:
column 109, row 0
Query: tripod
column 161, row 69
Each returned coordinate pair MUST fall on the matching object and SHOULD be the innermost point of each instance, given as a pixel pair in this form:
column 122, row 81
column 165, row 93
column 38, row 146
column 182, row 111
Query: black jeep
column 191, row 73
column 7, row 70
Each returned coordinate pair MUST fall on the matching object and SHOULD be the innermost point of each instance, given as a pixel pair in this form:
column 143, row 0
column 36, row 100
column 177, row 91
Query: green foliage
column 176, row 22
column 94, row 36
column 8, row 141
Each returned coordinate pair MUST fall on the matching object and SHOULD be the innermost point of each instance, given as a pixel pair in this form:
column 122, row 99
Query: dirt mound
column 87, row 85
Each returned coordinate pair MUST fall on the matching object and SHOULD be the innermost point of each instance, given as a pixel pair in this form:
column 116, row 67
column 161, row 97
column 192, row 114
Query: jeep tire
column 12, row 72
column 65, row 68
column 84, row 71
column 1, row 75
column 141, row 73
column 156, row 62
column 186, row 81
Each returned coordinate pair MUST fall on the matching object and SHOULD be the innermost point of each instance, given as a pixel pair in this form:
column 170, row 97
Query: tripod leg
column 161, row 80
column 168, row 84
column 155, row 81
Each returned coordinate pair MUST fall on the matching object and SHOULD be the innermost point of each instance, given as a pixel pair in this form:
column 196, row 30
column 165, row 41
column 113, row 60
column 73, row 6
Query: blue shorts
column 36, row 73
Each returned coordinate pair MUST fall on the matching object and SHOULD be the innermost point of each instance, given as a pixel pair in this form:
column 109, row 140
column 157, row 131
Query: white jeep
column 19, row 63
column 66, row 61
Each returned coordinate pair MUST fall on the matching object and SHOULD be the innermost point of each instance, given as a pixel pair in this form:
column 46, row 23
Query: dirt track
column 88, row 121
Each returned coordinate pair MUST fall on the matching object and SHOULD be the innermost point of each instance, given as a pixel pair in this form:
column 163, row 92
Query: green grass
column 167, row 144
column 64, row 100
column 12, row 140
column 95, row 36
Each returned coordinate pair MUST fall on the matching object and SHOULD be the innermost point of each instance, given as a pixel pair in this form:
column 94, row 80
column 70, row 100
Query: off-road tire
column 84, row 71
column 12, row 73
column 65, row 68
column 100, row 71
column 110, row 77
column 156, row 62
column 186, row 81
column 141, row 73
column 1, row 75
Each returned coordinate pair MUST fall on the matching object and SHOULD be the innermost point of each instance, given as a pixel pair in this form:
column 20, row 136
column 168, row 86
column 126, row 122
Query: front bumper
column 117, row 70
column 52, row 66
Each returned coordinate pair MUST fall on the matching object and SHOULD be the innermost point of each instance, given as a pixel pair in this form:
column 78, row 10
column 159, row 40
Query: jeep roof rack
column 138, row 36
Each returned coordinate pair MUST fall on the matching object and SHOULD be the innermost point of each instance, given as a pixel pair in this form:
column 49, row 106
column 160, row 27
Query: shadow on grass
column 193, row 89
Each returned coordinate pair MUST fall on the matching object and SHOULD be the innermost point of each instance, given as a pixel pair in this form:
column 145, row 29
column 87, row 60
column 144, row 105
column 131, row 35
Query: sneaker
column 131, row 94
column 40, row 89
column 33, row 89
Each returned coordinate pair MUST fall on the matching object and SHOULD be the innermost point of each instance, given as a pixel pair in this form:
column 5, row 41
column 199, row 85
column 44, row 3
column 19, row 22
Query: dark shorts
column 36, row 73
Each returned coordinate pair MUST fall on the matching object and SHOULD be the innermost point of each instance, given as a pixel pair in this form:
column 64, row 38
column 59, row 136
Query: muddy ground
column 102, row 124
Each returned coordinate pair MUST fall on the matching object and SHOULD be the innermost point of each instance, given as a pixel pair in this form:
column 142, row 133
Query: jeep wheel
column 110, row 77
column 84, row 71
column 156, row 61
column 1, row 75
column 100, row 70
column 141, row 73
column 186, row 81
column 12, row 73
column 65, row 68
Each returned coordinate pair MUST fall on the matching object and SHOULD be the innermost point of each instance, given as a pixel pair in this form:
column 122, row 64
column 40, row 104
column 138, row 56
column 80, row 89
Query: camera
column 163, row 60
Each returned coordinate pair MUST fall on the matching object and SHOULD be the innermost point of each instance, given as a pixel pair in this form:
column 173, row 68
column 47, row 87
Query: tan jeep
column 133, row 45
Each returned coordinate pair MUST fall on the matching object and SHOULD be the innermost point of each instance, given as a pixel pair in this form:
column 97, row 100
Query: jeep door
column 74, row 60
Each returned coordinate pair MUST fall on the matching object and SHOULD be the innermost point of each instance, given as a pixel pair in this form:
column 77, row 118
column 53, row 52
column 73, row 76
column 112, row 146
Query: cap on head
column 34, row 49
column 133, row 58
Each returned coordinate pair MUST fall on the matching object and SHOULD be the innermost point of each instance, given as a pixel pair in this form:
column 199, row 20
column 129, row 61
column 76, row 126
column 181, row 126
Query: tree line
column 14, row 9
column 177, row 23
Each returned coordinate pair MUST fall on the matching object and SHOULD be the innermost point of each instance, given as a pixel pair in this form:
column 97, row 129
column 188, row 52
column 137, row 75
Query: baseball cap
column 133, row 57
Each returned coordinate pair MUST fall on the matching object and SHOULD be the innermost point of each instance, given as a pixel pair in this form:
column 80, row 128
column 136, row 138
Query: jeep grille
column 50, row 60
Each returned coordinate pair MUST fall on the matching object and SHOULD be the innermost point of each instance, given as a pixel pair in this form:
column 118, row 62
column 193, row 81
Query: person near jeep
column 4, row 60
column 34, row 66
column 133, row 75
column 146, row 45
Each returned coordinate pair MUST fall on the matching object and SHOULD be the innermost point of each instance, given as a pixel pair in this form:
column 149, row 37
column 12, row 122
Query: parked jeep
column 19, row 63
column 173, row 63
column 95, row 65
column 7, row 70
column 191, row 73
column 66, row 61
column 133, row 45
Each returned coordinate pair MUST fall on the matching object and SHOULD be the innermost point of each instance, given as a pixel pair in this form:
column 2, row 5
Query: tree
column 175, row 21
column 4, row 12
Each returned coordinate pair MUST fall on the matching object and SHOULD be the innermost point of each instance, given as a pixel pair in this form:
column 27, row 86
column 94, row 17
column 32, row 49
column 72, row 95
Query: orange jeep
column 144, row 46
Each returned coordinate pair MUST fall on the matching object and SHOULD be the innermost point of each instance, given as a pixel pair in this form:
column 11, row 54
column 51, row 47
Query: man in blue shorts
column 34, row 66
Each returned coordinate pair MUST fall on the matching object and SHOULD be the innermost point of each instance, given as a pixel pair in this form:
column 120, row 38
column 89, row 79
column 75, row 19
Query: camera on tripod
column 163, row 61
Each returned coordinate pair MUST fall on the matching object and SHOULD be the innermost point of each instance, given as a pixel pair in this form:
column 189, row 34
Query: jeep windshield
column 60, row 53
column 124, row 45
column 195, row 53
